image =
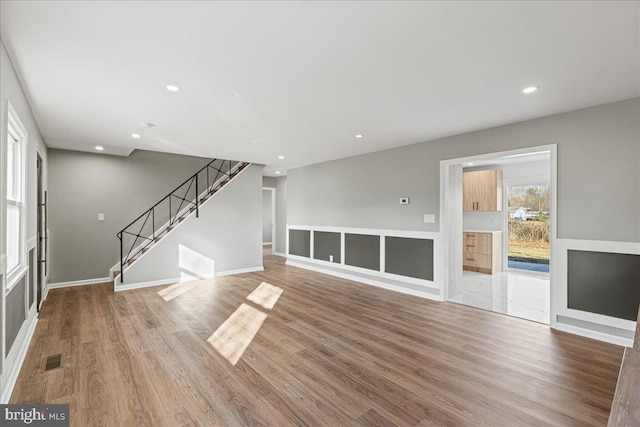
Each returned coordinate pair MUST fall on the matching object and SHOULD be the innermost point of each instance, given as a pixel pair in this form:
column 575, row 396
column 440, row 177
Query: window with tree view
column 529, row 226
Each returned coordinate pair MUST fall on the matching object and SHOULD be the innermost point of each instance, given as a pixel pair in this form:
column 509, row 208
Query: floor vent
column 53, row 362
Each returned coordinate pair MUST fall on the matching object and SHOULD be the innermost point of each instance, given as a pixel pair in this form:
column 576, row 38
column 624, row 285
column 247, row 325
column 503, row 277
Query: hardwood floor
column 309, row 350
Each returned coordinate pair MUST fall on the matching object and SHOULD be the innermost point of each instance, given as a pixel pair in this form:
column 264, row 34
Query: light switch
column 100, row 217
column 404, row 200
column 429, row 218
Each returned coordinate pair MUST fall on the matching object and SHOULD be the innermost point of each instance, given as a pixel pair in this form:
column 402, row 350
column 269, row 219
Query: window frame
column 14, row 126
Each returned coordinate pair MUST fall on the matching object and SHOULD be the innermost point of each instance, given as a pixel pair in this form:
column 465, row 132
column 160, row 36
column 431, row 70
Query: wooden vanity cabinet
column 482, row 252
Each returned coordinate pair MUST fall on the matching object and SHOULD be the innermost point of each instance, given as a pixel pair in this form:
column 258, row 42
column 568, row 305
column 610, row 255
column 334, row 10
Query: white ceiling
column 300, row 79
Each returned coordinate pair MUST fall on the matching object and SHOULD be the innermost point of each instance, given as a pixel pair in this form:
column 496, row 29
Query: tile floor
column 520, row 295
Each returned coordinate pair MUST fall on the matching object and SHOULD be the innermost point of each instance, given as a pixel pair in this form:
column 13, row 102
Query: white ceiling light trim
column 173, row 88
column 530, row 89
column 135, row 135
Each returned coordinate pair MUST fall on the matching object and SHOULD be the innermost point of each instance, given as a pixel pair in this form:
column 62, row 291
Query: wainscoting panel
column 326, row 245
column 362, row 250
column 604, row 283
column 402, row 260
column 594, row 288
column 409, row 257
column 299, row 243
column 16, row 313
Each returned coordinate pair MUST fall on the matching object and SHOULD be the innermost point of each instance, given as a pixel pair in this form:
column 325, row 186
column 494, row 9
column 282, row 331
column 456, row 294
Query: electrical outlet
column 330, row 258
column 429, row 218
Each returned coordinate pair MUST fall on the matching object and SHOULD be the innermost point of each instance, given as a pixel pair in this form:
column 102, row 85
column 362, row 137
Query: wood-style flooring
column 306, row 349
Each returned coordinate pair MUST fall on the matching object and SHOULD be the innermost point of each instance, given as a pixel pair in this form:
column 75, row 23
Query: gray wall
column 267, row 219
column 85, row 184
column 598, row 159
column 268, row 181
column 12, row 91
column 228, row 232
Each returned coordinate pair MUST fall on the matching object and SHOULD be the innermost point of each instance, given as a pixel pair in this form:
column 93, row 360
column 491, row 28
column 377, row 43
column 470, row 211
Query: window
column 15, row 193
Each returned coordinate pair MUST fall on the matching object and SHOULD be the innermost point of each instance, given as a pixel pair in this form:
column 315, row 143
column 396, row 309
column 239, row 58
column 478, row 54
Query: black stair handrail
column 221, row 172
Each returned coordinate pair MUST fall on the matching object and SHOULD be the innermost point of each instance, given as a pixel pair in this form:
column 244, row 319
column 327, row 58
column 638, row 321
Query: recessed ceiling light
column 173, row 88
column 99, row 147
column 277, row 172
column 470, row 164
column 359, row 135
column 135, row 135
column 530, row 89
column 281, row 157
column 147, row 125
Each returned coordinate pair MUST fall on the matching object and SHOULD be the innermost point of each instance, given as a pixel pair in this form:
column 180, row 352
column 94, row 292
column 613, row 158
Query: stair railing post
column 197, row 199
column 153, row 223
column 121, row 263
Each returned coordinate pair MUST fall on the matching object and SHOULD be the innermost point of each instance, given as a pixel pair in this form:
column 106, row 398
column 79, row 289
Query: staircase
column 142, row 235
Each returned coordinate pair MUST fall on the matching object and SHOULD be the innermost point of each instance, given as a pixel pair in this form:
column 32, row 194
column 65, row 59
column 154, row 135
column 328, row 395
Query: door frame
column 273, row 217
column 448, row 254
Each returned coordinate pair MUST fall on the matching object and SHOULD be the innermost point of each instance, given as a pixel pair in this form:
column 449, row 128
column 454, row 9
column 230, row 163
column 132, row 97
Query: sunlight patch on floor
column 234, row 336
column 178, row 289
column 265, row 295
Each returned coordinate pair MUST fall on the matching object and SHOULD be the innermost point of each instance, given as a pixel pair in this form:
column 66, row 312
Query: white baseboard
column 74, row 283
column 79, row 283
column 366, row 281
column 172, row 280
column 280, row 254
column 12, row 374
column 240, row 271
column 159, row 282
column 266, row 243
column 600, row 336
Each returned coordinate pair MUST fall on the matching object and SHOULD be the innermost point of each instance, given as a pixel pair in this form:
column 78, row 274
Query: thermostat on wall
column 404, row 200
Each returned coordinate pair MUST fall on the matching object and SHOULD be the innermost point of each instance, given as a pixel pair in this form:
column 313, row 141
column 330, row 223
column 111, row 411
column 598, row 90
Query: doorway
column 269, row 218
column 42, row 232
column 475, row 237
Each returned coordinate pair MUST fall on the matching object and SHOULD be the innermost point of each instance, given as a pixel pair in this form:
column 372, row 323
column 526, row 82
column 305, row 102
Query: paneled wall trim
column 594, row 325
column 364, row 255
